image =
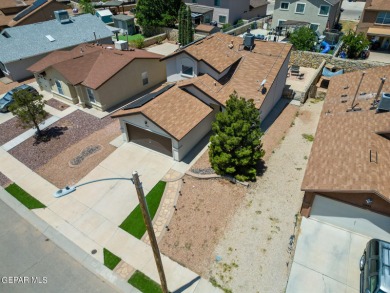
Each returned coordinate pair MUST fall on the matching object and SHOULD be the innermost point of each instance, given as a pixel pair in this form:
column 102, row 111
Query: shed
column 105, row 15
column 125, row 23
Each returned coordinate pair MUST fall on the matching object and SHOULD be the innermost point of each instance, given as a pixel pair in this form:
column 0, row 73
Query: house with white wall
column 201, row 77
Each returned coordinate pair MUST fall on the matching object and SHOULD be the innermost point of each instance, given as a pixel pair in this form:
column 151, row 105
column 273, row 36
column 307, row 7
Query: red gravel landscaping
column 65, row 133
column 9, row 130
column 4, row 180
column 57, row 104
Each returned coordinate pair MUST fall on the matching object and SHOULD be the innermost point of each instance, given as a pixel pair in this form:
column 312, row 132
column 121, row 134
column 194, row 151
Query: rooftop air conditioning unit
column 121, row 45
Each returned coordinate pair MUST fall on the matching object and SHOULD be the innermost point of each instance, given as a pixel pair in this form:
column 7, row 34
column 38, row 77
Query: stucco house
column 350, row 156
column 375, row 22
column 99, row 76
column 41, row 38
column 201, row 77
column 226, row 11
column 318, row 14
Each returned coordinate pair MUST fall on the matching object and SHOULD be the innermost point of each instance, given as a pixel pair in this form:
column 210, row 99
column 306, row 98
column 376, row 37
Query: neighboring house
column 201, row 77
column 319, row 14
column 375, row 22
column 226, row 11
column 22, row 46
column 36, row 11
column 205, row 29
column 99, row 76
column 350, row 156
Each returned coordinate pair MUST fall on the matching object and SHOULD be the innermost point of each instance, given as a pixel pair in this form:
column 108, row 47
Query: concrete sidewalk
column 90, row 218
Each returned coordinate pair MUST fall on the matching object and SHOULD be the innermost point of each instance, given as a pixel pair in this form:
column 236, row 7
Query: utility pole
column 149, row 228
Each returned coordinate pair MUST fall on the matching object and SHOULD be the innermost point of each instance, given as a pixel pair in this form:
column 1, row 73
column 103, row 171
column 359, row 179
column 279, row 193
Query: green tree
column 29, row 108
column 87, row 7
column 235, row 147
column 354, row 43
column 152, row 14
column 303, row 38
column 189, row 30
column 182, row 13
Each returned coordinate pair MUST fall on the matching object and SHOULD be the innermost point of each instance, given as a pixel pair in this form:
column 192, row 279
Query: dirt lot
column 239, row 237
column 203, row 212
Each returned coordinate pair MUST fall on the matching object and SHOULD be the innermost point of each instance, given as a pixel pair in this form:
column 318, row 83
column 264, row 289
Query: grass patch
column 26, row 199
column 131, row 38
column 308, row 137
column 110, row 259
column 134, row 223
column 143, row 283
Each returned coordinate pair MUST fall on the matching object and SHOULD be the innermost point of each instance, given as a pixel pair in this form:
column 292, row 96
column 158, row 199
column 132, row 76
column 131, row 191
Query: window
column 383, row 18
column 324, row 10
column 194, row 1
column 217, row 3
column 300, row 8
column 281, row 22
column 284, row 5
column 314, row 26
column 145, row 79
column 187, row 70
column 59, row 87
column 222, row 19
column 91, row 95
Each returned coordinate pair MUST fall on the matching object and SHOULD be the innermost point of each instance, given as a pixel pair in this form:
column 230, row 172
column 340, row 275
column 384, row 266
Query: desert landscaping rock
column 66, row 131
column 57, row 104
column 4, row 180
column 85, row 153
column 10, row 129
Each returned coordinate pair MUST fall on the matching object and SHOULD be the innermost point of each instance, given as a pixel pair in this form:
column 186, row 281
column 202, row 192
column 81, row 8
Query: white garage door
column 350, row 218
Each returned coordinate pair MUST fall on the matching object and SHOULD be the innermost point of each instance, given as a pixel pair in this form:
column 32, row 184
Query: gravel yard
column 67, row 132
column 4, row 180
column 58, row 170
column 203, row 212
column 253, row 250
column 9, row 130
column 57, row 104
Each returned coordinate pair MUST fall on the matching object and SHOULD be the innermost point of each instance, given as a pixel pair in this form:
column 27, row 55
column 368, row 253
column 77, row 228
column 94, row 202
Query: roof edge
column 348, row 191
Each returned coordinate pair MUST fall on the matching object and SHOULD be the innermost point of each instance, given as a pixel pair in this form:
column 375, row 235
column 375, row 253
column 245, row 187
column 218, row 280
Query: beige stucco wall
column 128, row 82
column 51, row 76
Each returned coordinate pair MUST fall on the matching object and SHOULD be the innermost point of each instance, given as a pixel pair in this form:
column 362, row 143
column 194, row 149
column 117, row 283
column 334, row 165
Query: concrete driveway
column 352, row 10
column 330, row 245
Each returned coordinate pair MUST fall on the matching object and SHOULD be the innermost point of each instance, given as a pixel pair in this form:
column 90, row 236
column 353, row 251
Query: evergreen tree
column 181, row 36
column 189, row 30
column 29, row 108
column 235, row 147
column 303, row 39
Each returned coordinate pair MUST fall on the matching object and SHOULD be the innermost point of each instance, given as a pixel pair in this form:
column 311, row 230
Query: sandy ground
column 253, row 250
column 203, row 212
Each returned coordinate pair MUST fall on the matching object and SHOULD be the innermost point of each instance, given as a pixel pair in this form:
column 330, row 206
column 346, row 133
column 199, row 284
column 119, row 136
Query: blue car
column 7, row 100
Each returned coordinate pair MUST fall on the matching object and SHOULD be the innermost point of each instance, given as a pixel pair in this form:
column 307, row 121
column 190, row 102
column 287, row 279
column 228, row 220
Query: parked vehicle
column 7, row 99
column 375, row 267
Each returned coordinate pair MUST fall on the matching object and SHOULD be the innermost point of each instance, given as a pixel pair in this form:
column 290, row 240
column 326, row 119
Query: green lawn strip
column 143, row 283
column 130, row 38
column 26, row 199
column 110, row 259
column 134, row 223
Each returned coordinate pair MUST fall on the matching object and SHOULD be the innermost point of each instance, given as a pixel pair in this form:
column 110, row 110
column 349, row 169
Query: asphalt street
column 30, row 262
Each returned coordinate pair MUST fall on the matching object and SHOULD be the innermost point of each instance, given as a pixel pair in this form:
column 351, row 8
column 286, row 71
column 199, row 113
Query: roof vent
column 384, row 103
column 121, row 45
column 50, row 38
column 62, row 16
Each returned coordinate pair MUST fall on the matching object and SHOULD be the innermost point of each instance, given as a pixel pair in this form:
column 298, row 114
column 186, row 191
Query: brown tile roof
column 204, row 28
column 175, row 111
column 340, row 156
column 383, row 5
column 264, row 62
column 5, row 19
column 89, row 64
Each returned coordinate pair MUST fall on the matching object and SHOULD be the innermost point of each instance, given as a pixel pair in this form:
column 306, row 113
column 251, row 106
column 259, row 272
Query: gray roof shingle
column 30, row 40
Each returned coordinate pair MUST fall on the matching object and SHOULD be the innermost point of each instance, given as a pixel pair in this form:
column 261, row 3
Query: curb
column 91, row 264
